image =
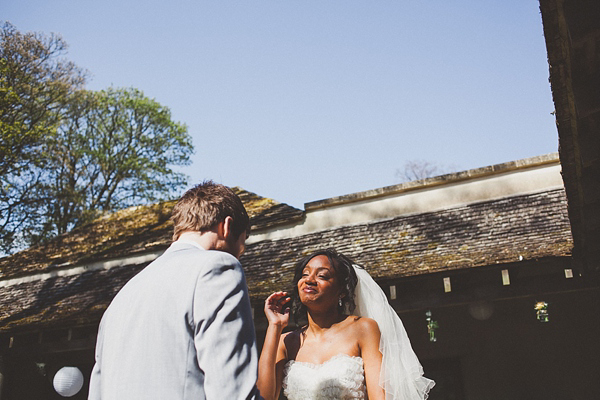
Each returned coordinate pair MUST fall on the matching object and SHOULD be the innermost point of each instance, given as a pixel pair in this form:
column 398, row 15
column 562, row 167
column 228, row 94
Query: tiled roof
column 265, row 212
column 127, row 232
column 512, row 229
column 503, row 231
column 62, row 301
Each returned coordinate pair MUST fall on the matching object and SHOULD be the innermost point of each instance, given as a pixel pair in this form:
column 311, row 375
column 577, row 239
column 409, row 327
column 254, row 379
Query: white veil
column 401, row 372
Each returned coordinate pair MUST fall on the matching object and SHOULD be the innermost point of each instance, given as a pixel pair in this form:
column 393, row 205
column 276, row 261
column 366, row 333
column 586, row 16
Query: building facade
column 464, row 258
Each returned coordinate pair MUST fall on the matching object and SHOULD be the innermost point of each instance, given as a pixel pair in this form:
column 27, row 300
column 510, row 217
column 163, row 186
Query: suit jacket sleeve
column 224, row 331
column 95, row 378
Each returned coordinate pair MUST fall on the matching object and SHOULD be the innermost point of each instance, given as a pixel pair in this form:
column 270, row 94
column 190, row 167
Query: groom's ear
column 226, row 228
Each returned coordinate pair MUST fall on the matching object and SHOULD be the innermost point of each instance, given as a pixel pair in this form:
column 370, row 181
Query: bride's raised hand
column 270, row 371
column 277, row 309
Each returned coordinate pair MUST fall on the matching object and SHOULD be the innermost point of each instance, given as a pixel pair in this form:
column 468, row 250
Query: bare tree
column 415, row 170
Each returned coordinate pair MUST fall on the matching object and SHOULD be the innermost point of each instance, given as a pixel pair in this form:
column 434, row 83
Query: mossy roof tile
column 126, row 232
column 526, row 227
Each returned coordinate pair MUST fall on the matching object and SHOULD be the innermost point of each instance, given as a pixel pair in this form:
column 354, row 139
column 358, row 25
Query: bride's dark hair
column 344, row 272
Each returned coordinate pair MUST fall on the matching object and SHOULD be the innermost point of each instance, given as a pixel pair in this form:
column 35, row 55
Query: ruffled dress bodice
column 340, row 378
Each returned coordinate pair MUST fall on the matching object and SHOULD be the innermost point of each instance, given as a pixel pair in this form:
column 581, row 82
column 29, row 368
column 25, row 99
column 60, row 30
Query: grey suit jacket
column 180, row 329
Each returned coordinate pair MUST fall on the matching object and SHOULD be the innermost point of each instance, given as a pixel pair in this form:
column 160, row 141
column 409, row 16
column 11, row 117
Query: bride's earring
column 340, row 302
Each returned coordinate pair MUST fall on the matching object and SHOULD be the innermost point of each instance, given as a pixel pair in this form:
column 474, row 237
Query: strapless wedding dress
column 340, row 378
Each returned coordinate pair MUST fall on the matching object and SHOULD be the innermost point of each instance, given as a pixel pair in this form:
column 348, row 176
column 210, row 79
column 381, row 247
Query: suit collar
column 186, row 243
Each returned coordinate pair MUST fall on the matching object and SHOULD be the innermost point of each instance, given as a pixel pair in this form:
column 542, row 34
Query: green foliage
column 34, row 83
column 114, row 149
column 68, row 154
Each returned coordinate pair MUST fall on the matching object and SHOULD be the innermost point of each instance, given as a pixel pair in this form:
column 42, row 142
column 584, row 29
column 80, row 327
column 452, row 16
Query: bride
column 354, row 346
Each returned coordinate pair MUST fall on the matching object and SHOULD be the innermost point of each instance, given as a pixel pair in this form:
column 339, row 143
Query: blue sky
column 305, row 100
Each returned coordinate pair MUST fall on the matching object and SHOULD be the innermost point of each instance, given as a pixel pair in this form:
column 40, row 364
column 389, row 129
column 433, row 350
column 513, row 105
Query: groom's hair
column 344, row 272
column 206, row 205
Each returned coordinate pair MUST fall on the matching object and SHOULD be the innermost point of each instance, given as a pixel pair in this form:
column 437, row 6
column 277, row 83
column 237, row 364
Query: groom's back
column 147, row 347
column 146, row 338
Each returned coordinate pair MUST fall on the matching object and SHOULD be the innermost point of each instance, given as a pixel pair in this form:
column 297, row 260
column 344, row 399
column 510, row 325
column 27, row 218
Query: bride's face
column 318, row 284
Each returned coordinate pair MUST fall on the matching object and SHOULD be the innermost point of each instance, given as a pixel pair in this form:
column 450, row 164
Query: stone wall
column 572, row 31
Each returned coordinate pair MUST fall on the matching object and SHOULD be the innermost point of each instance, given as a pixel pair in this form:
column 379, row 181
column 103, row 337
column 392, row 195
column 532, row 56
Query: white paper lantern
column 68, row 381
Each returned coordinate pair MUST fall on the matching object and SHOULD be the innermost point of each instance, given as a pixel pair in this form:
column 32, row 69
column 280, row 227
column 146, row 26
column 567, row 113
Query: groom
column 182, row 328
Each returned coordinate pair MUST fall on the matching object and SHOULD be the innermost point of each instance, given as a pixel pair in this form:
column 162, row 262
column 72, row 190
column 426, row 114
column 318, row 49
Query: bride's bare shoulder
column 364, row 324
column 366, row 332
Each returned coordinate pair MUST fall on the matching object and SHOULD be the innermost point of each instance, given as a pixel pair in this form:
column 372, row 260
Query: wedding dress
column 340, row 378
